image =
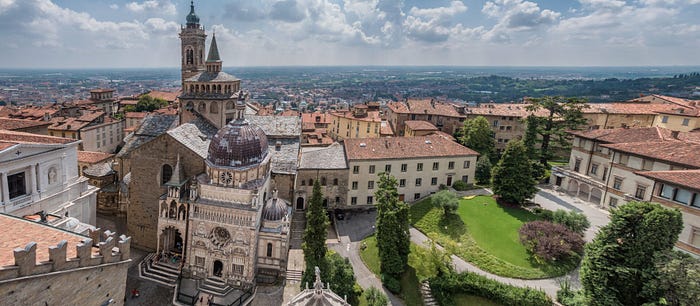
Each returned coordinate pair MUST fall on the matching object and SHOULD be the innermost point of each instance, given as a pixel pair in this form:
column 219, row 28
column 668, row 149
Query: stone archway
column 573, row 187
column 584, row 191
column 171, row 241
column 300, row 203
column 596, row 196
column 218, row 268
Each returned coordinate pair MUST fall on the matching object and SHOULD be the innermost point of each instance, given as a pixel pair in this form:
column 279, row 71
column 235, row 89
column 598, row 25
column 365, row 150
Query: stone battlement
column 90, row 252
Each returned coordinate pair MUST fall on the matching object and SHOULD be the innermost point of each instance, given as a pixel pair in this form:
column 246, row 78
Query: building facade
column 359, row 122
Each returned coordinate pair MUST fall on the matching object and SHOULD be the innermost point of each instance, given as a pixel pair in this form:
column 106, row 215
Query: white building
column 40, row 173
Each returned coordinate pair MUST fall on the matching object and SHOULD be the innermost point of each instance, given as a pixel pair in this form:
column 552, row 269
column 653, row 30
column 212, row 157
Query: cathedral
column 220, row 211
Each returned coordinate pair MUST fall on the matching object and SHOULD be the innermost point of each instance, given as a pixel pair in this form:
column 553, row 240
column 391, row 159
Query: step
column 215, row 281
column 163, row 267
column 216, row 290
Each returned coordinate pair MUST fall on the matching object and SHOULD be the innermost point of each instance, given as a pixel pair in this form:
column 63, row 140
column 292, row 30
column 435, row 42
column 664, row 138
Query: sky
column 133, row 34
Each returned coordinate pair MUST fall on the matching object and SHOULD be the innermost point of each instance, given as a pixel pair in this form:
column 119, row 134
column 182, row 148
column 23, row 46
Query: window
column 624, row 158
column 335, row 182
column 682, row 196
column 404, row 167
column 612, row 202
column 639, row 193
column 17, row 185
column 696, row 200
column 451, row 165
column 667, row 192
column 419, row 167
column 594, row 169
column 495, row 123
column 402, row 183
column 416, row 196
column 355, row 169
column 647, row 164
column 337, row 200
column 686, row 121
column 370, row 185
column 605, row 172
column 664, row 119
column 199, row 261
column 371, row 169
column 238, row 269
column 354, row 185
column 269, row 249
column 433, row 181
column 303, row 182
column 387, row 168
column 617, row 184
column 370, row 200
column 311, row 182
column 467, row 164
column 323, row 181
column 465, row 178
column 436, row 166
column 353, row 201
column 418, row 181
column 577, row 164
column 166, row 173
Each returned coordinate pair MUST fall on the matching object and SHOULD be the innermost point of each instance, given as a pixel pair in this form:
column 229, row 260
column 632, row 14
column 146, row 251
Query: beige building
column 683, row 119
column 43, row 265
column 442, row 115
column 420, row 165
column 360, row 122
column 419, row 128
column 97, row 131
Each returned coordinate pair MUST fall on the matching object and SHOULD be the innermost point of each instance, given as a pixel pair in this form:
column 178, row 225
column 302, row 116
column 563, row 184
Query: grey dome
column 192, row 18
column 275, row 209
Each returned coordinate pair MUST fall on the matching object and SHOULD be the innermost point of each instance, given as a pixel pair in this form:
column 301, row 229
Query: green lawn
column 485, row 234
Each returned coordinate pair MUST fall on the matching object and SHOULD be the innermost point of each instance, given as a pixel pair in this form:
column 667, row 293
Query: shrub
column 460, row 186
column 447, row 200
column 445, row 286
column 375, row 297
column 549, row 241
column 569, row 297
column 391, row 283
column 544, row 214
column 575, row 221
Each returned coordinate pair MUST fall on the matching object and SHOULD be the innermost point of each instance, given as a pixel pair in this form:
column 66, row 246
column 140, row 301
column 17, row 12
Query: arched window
column 269, row 249
column 229, row 105
column 202, row 107
column 335, row 182
column 166, row 173
column 303, row 182
column 311, row 182
column 191, row 88
column 214, row 108
column 323, row 181
column 218, row 88
column 189, row 56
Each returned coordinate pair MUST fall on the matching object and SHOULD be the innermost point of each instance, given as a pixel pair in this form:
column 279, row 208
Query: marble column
column 5, row 188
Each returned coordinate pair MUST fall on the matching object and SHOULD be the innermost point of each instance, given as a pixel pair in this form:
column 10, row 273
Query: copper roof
column 403, row 147
column 685, row 178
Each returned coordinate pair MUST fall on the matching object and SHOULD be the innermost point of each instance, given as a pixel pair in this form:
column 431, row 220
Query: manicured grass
column 485, row 234
column 410, row 285
column 465, row 299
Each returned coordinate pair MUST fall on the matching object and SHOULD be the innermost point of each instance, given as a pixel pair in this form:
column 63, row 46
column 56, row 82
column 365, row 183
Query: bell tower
column 192, row 44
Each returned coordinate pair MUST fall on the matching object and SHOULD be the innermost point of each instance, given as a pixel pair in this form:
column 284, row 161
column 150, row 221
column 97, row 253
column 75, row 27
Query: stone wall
column 330, row 190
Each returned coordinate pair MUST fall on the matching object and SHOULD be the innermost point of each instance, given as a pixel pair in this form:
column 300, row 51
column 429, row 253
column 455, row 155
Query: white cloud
column 455, row 8
column 153, row 6
column 516, row 16
column 114, row 6
column 433, row 24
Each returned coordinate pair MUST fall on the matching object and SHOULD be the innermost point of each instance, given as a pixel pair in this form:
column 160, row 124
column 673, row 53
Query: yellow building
column 360, row 122
column 682, row 119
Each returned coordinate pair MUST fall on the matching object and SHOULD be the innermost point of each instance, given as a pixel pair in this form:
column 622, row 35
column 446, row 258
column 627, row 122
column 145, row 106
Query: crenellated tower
column 192, row 38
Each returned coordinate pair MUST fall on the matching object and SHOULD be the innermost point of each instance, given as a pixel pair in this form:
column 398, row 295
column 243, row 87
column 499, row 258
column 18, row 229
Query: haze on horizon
column 130, row 34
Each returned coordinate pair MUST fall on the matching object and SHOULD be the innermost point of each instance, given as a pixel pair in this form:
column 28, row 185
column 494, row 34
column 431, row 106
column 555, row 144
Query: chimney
column 674, row 134
column 432, row 103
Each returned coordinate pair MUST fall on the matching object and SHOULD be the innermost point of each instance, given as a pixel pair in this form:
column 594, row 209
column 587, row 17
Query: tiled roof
column 18, row 124
column 25, row 231
column 403, row 147
column 311, row 118
column 681, row 111
column 425, row 106
column 502, row 109
column 330, row 157
column 692, row 136
column 290, row 113
column 21, row 137
column 169, row 96
column 99, row 170
column 212, row 77
column 69, row 124
column 677, row 152
column 626, row 108
column 278, row 126
column 284, row 160
column 685, row 178
column 668, row 99
column 420, row 125
column 385, row 129
column 136, row 114
column 90, row 157
column 195, row 135
column 372, row 116
column 151, row 127
column 623, row 135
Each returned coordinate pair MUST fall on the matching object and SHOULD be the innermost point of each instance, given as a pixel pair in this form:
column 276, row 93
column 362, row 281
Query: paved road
column 553, row 200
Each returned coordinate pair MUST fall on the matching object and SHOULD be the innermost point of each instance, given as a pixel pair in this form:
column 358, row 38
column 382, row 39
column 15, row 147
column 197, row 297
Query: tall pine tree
column 314, row 239
column 512, row 177
column 562, row 114
column 393, row 238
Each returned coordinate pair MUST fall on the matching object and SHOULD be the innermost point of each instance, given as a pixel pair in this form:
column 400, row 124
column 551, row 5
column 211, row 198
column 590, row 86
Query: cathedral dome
column 275, row 209
column 238, row 144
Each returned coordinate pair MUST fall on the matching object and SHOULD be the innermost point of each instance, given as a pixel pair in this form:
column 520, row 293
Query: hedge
column 445, row 286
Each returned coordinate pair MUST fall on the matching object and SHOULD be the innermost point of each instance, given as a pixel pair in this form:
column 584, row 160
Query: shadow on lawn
column 516, row 211
column 452, row 225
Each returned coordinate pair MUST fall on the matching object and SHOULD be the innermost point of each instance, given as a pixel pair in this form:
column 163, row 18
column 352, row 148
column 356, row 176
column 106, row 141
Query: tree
column 375, row 297
column 562, row 114
column 530, row 138
column 677, row 279
column 573, row 220
column 342, row 278
column 512, row 177
column 393, row 238
column 482, row 173
column 314, row 238
column 617, row 265
column 148, row 104
column 478, row 136
column 447, row 200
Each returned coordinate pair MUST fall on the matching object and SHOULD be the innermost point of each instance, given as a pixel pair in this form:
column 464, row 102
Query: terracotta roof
column 420, row 125
column 90, row 116
column 681, row 111
column 139, row 115
column 21, row 137
column 686, row 178
column 18, row 124
column 70, row 124
column 626, row 108
column 90, row 157
column 45, row 236
column 403, row 147
column 311, row 118
column 669, row 99
column 290, row 113
column 169, row 110
column 677, row 152
column 425, row 106
column 624, row 135
column 385, row 129
column 169, row 96
column 692, row 136
column 372, row 116
column 503, row 110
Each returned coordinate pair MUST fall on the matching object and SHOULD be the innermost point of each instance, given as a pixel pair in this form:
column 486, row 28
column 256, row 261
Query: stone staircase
column 294, row 275
column 158, row 272
column 215, row 286
column 298, row 226
column 428, row 299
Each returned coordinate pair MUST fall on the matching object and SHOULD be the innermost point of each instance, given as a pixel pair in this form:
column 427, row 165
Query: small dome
column 275, row 209
column 238, row 144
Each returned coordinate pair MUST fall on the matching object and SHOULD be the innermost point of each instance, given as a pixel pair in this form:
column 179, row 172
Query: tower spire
column 213, row 55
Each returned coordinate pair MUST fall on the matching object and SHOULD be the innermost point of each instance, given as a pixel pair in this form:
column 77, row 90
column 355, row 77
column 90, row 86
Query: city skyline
column 127, row 34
